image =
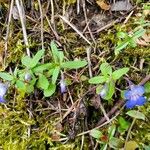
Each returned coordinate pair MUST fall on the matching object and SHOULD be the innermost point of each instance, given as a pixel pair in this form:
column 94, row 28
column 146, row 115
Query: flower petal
column 140, row 101
column 62, row 86
column 130, row 103
column 2, row 100
column 3, row 89
column 138, row 90
column 127, row 94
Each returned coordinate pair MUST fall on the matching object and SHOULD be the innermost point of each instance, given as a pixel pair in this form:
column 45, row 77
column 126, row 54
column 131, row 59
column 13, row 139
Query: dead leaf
column 131, row 145
column 146, row 12
column 55, row 137
column 121, row 6
column 144, row 40
column 103, row 5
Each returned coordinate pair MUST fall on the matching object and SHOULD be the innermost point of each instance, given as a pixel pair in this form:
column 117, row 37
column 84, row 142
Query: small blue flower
column 62, row 86
column 134, row 96
column 3, row 90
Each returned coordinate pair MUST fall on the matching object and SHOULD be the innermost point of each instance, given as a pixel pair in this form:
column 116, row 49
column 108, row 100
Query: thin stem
column 128, row 134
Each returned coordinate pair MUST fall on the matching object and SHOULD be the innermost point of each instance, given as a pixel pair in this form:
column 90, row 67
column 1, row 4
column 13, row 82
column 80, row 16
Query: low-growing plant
column 107, row 79
column 41, row 75
column 126, row 39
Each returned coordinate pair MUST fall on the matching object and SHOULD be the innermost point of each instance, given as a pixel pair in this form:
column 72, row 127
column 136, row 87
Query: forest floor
column 74, row 75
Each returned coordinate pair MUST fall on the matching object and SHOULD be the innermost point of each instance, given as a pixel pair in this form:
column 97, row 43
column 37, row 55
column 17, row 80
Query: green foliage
column 96, row 134
column 43, row 76
column 147, row 87
column 108, row 78
column 123, row 125
column 136, row 114
column 128, row 40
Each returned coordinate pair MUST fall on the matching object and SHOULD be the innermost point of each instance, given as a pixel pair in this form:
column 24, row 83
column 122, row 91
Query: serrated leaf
column 119, row 73
column 50, row 90
column 136, row 114
column 96, row 133
column 6, row 76
column 61, row 56
column 42, row 67
column 98, row 80
column 55, row 51
column 43, row 82
column 74, row 64
column 55, row 74
column 36, row 58
column 26, row 61
column 106, row 69
column 121, row 46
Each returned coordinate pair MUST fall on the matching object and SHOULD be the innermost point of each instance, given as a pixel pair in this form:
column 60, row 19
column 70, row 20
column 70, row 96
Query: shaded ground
column 84, row 30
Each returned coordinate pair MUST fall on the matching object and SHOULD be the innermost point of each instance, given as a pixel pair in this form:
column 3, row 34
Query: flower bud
column 62, row 86
column 27, row 77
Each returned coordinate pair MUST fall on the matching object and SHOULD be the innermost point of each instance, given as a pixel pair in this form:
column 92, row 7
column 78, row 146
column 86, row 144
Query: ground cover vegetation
column 74, row 74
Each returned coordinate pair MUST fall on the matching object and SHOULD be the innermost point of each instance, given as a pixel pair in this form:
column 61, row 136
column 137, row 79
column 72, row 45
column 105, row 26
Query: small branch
column 88, row 52
column 7, row 30
column 41, row 12
column 22, row 18
column 129, row 131
column 120, row 103
column 75, row 29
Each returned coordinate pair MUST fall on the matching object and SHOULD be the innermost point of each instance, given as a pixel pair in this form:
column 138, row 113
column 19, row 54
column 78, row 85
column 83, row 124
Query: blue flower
column 134, row 96
column 62, row 86
column 3, row 90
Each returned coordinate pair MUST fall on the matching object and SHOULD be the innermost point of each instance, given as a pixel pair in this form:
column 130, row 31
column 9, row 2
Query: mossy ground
column 32, row 121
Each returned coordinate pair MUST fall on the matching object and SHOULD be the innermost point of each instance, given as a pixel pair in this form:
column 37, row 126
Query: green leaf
column 121, row 46
column 55, row 74
column 115, row 143
column 55, row 51
column 136, row 114
column 98, row 79
column 147, row 87
column 42, row 67
column 6, row 76
column 139, row 33
column 132, row 43
column 74, row 64
column 96, row 133
column 50, row 90
column 106, row 69
column 122, row 35
column 26, row 61
column 36, row 58
column 111, row 90
column 123, row 123
column 119, row 73
column 99, row 88
column 61, row 56
column 111, row 131
column 42, row 82
column 20, row 85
